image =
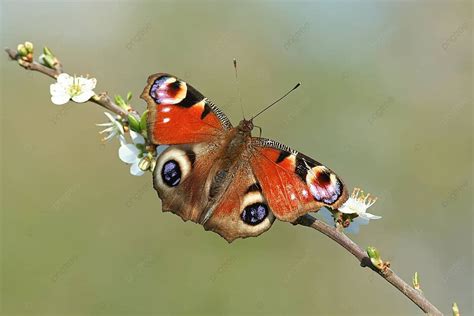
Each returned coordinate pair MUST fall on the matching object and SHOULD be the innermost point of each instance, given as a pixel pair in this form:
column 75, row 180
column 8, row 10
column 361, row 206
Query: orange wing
column 292, row 183
column 242, row 210
column 179, row 114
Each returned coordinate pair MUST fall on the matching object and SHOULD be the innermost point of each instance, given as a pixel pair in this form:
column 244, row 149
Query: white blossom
column 358, row 203
column 112, row 128
column 79, row 89
column 133, row 153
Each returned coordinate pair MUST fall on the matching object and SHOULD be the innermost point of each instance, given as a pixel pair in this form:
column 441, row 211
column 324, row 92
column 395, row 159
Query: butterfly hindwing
column 190, row 181
column 293, row 183
column 179, row 114
column 181, row 178
column 242, row 210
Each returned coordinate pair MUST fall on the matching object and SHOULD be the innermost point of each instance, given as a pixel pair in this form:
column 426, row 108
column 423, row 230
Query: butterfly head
column 246, row 126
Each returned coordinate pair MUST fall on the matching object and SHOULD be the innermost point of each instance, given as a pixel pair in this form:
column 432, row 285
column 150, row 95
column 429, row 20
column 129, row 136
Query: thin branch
column 415, row 296
column 102, row 99
column 35, row 66
column 388, row 274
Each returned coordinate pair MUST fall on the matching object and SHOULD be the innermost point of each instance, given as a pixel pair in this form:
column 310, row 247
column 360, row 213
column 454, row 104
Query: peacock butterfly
column 221, row 176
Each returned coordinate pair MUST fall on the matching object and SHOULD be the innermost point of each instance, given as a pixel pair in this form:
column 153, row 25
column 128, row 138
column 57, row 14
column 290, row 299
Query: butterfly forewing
column 179, row 114
column 293, row 183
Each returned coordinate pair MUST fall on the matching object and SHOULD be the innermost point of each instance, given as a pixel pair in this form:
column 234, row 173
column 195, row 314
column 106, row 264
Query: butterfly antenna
column 281, row 98
column 239, row 94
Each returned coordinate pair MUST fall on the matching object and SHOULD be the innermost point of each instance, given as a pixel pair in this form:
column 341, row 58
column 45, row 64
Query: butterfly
column 222, row 177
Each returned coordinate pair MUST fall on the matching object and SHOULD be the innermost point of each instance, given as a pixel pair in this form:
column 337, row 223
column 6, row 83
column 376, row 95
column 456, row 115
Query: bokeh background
column 385, row 101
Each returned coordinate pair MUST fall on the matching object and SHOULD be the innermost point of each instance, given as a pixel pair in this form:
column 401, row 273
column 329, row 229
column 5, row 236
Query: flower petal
column 57, row 89
column 137, row 138
column 60, row 99
column 346, row 209
column 128, row 153
column 110, row 117
column 135, row 170
column 105, row 124
column 107, row 130
column 361, row 220
column 123, row 141
column 370, row 216
column 119, row 127
column 83, row 97
column 160, row 149
column 65, row 80
column 353, row 228
column 87, row 84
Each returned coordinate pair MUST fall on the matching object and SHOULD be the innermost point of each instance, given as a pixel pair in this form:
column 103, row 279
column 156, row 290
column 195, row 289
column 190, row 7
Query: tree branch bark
column 102, row 99
column 414, row 295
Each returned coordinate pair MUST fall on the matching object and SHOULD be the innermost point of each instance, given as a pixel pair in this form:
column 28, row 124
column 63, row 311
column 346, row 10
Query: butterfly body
column 221, row 176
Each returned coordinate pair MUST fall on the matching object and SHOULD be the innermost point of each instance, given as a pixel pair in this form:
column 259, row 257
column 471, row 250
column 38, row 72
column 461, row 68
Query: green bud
column 134, row 124
column 416, row 282
column 129, row 96
column 29, row 47
column 456, row 309
column 374, row 256
column 47, row 60
column 22, row 51
column 143, row 120
column 47, row 51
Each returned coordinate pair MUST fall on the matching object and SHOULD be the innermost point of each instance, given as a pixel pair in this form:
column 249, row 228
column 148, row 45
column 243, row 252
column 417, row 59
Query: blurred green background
column 385, row 101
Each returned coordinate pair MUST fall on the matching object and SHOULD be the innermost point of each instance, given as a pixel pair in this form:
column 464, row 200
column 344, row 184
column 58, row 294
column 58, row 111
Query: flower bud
column 144, row 164
column 28, row 57
column 456, row 309
column 29, row 47
column 22, row 51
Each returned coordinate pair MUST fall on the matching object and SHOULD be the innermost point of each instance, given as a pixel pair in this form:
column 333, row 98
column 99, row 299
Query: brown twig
column 104, row 100
column 388, row 274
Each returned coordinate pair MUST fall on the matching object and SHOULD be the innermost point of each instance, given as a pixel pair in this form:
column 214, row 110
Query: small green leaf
column 120, row 101
column 143, row 120
column 129, row 96
column 134, row 123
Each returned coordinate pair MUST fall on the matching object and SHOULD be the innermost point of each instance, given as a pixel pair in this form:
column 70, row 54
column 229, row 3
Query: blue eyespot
column 171, row 173
column 254, row 214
